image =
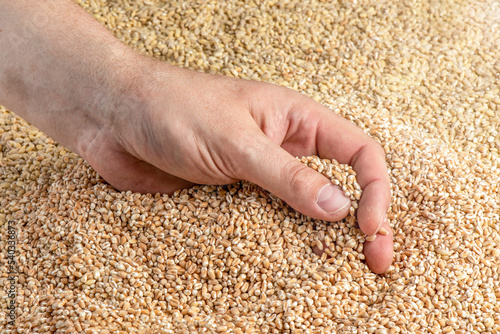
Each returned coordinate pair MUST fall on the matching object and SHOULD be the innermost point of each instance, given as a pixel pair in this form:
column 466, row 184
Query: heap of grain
column 422, row 78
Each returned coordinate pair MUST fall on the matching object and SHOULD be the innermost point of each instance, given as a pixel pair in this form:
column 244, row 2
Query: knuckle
column 374, row 146
column 297, row 176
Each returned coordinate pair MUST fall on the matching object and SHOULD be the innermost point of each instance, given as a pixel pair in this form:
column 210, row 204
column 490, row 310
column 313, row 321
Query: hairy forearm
column 60, row 69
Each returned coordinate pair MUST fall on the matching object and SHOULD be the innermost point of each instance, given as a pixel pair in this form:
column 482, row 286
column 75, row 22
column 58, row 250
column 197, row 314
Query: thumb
column 301, row 187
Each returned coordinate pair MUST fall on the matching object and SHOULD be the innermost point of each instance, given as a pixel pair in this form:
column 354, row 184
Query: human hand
column 194, row 128
column 150, row 127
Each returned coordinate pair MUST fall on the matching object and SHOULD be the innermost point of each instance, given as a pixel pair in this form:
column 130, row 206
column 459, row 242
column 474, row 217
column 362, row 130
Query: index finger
column 343, row 141
column 338, row 138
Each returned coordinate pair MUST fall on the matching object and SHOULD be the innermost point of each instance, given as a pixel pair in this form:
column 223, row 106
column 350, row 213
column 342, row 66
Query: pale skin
column 147, row 126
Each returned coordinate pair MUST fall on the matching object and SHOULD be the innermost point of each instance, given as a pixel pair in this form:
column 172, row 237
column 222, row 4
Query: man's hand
column 150, row 127
column 209, row 129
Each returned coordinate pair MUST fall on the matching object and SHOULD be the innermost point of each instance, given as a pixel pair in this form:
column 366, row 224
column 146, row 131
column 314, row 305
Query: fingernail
column 332, row 199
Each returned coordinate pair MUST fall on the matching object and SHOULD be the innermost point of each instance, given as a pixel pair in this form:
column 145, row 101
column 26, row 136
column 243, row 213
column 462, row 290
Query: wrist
column 68, row 78
column 144, row 94
column 117, row 103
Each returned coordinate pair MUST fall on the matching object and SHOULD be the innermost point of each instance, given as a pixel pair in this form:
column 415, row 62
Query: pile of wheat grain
column 421, row 77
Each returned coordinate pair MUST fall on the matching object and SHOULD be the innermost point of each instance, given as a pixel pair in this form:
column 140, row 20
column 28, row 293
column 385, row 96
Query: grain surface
column 421, row 77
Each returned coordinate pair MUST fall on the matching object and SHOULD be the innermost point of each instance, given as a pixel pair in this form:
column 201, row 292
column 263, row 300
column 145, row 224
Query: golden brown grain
column 383, row 231
column 422, row 78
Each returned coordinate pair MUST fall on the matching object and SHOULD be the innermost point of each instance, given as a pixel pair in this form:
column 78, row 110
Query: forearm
column 60, row 69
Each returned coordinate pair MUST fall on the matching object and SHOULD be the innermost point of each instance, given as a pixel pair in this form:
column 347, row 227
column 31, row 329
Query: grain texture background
column 421, row 77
